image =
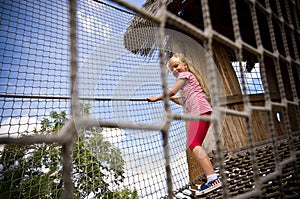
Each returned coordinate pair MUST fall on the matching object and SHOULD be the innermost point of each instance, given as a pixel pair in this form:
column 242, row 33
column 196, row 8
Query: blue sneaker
column 209, row 186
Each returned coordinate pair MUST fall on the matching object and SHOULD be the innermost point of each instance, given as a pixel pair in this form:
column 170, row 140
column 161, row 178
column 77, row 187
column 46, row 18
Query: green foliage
column 23, row 174
column 35, row 171
column 123, row 194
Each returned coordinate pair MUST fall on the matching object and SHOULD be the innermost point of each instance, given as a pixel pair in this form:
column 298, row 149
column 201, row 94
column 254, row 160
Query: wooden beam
column 238, row 99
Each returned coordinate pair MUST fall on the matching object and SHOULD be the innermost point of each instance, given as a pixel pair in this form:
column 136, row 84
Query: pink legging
column 197, row 131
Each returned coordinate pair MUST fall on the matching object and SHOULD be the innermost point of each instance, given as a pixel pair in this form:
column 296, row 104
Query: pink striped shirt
column 194, row 98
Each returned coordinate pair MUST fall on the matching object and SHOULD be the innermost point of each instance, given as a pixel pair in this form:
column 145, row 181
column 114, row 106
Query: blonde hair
column 192, row 69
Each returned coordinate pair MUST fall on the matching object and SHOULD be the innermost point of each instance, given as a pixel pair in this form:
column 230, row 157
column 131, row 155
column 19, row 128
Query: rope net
column 75, row 122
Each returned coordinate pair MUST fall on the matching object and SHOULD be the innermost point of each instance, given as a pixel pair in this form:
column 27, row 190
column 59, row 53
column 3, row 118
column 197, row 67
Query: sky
column 34, row 57
column 137, row 3
column 253, row 78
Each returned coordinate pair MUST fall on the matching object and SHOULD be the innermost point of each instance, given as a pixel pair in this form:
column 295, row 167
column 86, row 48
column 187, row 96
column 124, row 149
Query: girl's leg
column 203, row 159
column 196, row 133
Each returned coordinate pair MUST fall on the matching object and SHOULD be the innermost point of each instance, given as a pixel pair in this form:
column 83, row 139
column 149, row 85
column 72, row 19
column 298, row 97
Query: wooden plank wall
column 234, row 132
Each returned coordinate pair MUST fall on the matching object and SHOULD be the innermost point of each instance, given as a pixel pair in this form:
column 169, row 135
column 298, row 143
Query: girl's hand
column 151, row 99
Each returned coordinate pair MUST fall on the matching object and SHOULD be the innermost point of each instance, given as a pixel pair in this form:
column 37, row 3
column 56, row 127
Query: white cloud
column 94, row 24
column 15, row 127
column 114, row 136
column 150, row 178
column 145, row 170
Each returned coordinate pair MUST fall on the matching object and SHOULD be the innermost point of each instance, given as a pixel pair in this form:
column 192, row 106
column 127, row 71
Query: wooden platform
column 240, row 175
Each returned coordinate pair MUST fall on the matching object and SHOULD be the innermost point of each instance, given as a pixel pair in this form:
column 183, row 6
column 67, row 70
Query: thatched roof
column 140, row 35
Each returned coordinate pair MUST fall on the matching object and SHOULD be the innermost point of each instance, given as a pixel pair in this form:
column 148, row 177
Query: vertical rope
column 166, row 127
column 279, row 78
column 292, row 84
column 74, row 64
column 295, row 16
column 246, row 101
column 212, row 73
column 281, row 83
column 295, row 50
column 235, row 22
column 274, row 45
column 67, row 147
column 267, row 96
column 286, row 3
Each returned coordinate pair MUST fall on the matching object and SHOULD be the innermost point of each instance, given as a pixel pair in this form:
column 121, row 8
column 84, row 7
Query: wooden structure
column 277, row 110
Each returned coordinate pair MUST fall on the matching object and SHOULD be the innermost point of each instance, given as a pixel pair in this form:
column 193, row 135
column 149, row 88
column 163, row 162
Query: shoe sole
column 214, row 187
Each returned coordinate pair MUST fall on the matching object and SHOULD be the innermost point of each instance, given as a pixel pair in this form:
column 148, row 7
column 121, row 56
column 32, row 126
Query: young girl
column 191, row 84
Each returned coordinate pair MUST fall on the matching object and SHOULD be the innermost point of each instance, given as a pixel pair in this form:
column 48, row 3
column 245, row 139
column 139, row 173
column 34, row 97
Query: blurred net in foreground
column 103, row 139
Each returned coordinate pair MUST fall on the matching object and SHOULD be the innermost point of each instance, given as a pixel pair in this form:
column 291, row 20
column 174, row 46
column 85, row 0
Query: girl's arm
column 179, row 84
column 176, row 100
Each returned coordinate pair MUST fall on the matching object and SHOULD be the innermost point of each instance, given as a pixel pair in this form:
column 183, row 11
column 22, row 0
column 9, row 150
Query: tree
column 34, row 171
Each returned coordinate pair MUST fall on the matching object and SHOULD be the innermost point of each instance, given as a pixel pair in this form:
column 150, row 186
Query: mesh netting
column 74, row 117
